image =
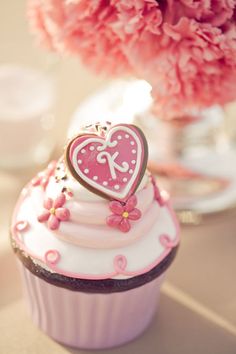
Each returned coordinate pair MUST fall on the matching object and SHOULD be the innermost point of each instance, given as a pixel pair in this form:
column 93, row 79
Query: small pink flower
column 54, row 212
column 122, row 213
column 43, row 177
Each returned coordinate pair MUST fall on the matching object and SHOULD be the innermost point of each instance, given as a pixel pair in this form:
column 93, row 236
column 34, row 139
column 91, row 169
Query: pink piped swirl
column 185, row 49
column 85, row 219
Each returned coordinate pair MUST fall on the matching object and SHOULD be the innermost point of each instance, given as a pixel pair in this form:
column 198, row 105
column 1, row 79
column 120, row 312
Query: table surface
column 198, row 300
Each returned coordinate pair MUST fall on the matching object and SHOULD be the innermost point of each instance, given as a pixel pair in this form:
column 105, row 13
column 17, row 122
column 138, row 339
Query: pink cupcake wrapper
column 90, row 320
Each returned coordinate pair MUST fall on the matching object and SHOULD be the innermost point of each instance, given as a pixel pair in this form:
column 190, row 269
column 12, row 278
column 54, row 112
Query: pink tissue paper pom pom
column 185, row 49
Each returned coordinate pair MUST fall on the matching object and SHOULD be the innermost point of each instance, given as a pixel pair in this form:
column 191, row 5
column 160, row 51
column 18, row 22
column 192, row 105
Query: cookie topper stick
column 111, row 164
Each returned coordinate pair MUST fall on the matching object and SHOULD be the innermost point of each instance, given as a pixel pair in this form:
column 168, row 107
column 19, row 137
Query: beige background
column 198, row 303
column 74, row 82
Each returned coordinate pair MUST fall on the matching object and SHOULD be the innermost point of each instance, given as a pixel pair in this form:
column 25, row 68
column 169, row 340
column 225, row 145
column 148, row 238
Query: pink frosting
column 87, row 223
column 186, row 49
column 76, row 234
column 97, row 212
column 110, row 164
column 52, row 257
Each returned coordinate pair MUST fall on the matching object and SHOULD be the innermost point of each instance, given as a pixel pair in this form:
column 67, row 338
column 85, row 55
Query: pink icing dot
column 120, row 263
column 21, row 225
column 166, row 241
column 52, row 257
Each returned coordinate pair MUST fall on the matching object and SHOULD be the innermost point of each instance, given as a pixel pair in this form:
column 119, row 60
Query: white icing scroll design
column 104, row 157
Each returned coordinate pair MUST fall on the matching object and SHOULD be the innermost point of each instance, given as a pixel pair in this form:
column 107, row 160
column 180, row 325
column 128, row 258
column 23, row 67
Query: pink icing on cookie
column 112, row 166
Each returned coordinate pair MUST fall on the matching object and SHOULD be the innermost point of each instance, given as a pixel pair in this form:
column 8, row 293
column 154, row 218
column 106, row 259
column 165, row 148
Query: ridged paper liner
column 90, row 320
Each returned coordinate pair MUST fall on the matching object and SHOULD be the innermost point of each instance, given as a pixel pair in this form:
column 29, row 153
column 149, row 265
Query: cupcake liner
column 91, row 321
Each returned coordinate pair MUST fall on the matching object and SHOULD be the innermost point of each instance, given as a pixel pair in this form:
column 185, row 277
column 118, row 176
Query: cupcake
column 94, row 237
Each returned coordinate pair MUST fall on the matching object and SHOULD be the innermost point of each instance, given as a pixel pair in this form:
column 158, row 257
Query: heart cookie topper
column 111, row 164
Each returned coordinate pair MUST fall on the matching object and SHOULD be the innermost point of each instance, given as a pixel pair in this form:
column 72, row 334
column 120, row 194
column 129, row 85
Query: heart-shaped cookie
column 112, row 165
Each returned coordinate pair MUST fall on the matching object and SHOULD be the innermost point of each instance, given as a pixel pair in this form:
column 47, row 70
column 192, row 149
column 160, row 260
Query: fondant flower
column 123, row 213
column 54, row 212
column 43, row 177
column 185, row 49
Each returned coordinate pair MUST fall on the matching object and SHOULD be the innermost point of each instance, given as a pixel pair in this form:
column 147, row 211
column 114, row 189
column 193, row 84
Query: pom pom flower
column 185, row 49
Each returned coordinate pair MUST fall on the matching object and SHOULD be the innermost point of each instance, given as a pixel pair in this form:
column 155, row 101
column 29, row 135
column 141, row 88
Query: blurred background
column 73, row 81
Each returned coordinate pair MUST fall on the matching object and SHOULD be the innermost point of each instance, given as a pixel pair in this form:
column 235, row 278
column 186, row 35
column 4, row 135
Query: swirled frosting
column 82, row 244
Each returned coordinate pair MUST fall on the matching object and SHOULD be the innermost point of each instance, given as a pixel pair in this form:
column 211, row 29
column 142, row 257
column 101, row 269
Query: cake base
column 86, row 320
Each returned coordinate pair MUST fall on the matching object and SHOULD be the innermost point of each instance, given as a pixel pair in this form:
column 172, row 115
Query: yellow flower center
column 125, row 214
column 52, row 211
